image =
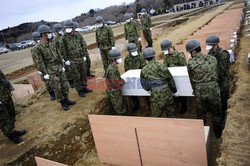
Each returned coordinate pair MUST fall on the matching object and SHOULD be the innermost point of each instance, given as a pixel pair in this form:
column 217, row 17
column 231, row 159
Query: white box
column 133, row 87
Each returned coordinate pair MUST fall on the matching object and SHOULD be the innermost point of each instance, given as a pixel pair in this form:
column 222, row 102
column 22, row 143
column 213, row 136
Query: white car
column 3, row 50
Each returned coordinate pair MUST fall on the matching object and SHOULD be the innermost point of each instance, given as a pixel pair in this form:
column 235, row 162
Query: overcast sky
column 15, row 12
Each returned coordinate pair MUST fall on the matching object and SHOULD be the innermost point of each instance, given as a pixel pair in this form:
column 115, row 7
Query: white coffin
column 133, row 86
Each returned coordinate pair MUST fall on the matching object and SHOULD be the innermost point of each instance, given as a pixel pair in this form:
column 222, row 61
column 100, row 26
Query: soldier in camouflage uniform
column 146, row 25
column 36, row 37
column 76, row 25
column 134, row 60
column 105, row 40
column 157, row 79
column 203, row 73
column 7, row 111
column 51, row 66
column 114, row 82
column 223, row 60
column 74, row 52
column 174, row 58
column 132, row 31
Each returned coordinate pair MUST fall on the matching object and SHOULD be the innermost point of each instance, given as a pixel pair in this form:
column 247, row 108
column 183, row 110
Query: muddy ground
column 66, row 136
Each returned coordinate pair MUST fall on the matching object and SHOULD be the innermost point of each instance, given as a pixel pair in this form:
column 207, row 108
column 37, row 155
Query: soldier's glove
column 98, row 49
column 63, row 69
column 151, row 29
column 84, row 59
column 113, row 48
column 67, row 63
column 176, row 94
column 46, row 77
column 0, row 103
column 139, row 39
column 40, row 73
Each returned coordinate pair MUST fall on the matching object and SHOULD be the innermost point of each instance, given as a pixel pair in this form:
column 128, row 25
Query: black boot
column 19, row 132
column 52, row 95
column 68, row 102
column 86, row 90
column 217, row 131
column 81, row 93
column 71, row 84
column 90, row 75
column 15, row 138
column 64, row 105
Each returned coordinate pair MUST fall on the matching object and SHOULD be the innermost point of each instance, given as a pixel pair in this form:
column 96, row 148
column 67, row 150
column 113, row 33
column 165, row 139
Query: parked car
column 24, row 44
column 3, row 50
column 86, row 29
column 14, row 46
column 30, row 43
column 110, row 23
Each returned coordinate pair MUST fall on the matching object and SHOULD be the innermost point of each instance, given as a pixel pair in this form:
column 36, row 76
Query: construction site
column 67, row 137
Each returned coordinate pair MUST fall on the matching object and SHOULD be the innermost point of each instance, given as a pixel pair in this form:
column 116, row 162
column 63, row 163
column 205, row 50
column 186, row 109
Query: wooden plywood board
column 45, row 162
column 161, row 141
column 22, row 90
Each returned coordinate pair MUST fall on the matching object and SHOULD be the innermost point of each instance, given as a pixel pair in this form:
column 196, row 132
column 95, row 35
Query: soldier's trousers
column 88, row 63
column 162, row 101
column 69, row 73
column 148, row 37
column 7, row 116
column 60, row 85
column 137, row 43
column 78, row 68
column 116, row 98
column 224, row 97
column 105, row 59
column 47, row 84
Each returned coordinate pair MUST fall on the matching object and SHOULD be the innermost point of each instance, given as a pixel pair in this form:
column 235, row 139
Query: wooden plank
column 22, row 90
column 162, row 141
column 45, row 162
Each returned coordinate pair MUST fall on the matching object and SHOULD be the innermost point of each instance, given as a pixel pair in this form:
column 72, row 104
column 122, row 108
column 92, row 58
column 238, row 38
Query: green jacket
column 155, row 74
column 105, row 38
column 223, row 60
column 5, row 88
column 175, row 59
column 134, row 62
column 113, row 77
column 146, row 22
column 132, row 31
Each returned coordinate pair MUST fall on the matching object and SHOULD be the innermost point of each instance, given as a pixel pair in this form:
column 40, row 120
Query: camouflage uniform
column 114, row 90
column 203, row 75
column 7, row 109
column 157, row 78
column 132, row 33
column 36, row 60
column 175, row 59
column 222, row 57
column 146, row 25
column 105, row 41
column 51, row 63
column 74, row 48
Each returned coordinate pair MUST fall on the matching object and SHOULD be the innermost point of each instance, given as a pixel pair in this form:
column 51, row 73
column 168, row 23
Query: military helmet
column 44, row 29
column 192, row 44
column 114, row 53
column 132, row 47
column 68, row 24
column 148, row 52
column 165, row 45
column 76, row 25
column 36, row 36
column 132, row 15
column 212, row 40
column 58, row 27
column 99, row 19
column 127, row 16
column 143, row 10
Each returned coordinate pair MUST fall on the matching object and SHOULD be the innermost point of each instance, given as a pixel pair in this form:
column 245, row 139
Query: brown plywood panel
column 44, row 162
column 162, row 141
column 22, row 90
column 35, row 81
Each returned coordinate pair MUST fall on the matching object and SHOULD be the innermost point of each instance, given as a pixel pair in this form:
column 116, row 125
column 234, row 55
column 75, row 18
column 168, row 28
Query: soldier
column 157, row 79
column 132, row 31
column 74, row 52
column 105, row 41
column 7, row 111
column 222, row 56
column 174, row 58
column 203, row 73
column 36, row 37
column 114, row 82
column 134, row 60
column 51, row 66
column 134, row 20
column 146, row 24
column 76, row 25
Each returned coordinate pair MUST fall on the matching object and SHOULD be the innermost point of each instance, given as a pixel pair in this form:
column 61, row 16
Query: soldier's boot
column 81, row 93
column 15, row 138
column 68, row 102
column 90, row 75
column 65, row 106
column 86, row 90
column 217, row 131
column 19, row 132
column 52, row 95
column 71, row 83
